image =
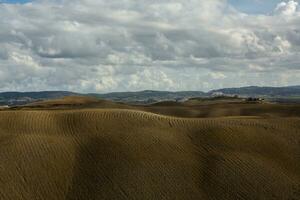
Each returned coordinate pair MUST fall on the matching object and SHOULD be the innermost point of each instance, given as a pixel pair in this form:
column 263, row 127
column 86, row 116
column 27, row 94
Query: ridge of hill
column 194, row 108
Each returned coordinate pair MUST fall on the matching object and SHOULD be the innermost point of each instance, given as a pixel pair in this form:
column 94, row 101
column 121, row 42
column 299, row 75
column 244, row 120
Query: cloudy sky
column 128, row 45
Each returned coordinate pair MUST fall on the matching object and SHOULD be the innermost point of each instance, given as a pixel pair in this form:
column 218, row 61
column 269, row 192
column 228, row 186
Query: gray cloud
column 101, row 46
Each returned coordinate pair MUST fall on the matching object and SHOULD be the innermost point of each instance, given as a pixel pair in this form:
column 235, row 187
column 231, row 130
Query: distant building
column 217, row 94
column 254, row 99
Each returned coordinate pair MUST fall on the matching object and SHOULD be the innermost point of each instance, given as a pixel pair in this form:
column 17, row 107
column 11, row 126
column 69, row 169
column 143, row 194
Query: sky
column 127, row 45
column 255, row 6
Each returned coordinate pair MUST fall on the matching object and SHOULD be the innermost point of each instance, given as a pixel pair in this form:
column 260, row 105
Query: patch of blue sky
column 247, row 6
column 14, row 1
column 255, row 6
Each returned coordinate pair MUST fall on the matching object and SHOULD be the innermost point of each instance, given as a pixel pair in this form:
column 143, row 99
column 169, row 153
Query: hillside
column 123, row 154
column 73, row 102
column 194, row 108
column 279, row 94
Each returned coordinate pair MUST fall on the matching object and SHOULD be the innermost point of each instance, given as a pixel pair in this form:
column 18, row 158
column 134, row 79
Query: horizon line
column 12, row 91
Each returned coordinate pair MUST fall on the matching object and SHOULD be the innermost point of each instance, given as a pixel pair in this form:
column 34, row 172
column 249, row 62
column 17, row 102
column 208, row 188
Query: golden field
column 82, row 148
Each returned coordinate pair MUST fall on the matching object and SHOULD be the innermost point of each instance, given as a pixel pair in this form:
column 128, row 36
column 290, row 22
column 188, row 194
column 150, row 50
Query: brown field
column 83, row 148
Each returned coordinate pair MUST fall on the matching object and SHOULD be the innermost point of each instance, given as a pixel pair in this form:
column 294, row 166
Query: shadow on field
column 97, row 160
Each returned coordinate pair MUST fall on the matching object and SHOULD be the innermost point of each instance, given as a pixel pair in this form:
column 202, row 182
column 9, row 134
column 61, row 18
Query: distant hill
column 37, row 95
column 150, row 96
column 20, row 98
column 255, row 91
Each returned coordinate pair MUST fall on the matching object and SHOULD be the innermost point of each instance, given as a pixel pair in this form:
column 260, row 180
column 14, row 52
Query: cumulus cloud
column 287, row 8
column 102, row 46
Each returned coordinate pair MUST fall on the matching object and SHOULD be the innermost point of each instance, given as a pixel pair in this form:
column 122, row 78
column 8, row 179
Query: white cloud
column 287, row 8
column 101, row 46
column 217, row 75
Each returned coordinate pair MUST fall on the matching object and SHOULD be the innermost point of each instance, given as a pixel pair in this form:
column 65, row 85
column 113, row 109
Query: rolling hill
column 125, row 154
column 193, row 108
column 84, row 148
